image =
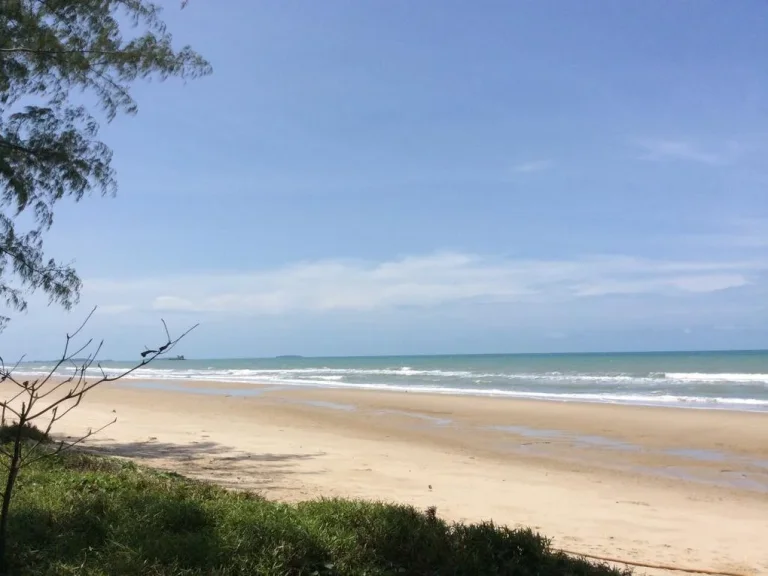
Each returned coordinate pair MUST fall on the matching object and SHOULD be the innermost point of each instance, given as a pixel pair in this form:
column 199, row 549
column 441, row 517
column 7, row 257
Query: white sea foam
column 337, row 374
column 705, row 377
column 651, row 389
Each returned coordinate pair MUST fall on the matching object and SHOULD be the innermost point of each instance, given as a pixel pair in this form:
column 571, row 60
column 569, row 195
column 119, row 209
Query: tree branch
column 39, row 51
column 5, row 144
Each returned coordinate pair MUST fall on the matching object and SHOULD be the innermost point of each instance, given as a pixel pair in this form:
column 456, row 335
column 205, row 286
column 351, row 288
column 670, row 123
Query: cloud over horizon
column 418, row 281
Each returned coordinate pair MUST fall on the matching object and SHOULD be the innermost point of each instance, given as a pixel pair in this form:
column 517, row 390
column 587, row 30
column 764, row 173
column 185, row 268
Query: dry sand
column 657, row 485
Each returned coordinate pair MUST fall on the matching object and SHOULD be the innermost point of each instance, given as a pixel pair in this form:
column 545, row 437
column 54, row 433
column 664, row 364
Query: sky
column 397, row 177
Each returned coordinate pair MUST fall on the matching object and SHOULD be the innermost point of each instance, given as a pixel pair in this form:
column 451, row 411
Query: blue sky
column 426, row 177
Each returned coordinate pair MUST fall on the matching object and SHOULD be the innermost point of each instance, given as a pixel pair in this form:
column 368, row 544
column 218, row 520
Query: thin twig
column 78, row 386
column 64, row 446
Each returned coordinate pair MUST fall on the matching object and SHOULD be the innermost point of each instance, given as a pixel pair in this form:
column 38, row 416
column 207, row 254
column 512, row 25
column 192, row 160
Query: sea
column 705, row 380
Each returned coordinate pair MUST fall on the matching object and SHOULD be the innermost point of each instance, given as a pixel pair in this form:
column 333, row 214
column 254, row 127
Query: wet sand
column 655, row 485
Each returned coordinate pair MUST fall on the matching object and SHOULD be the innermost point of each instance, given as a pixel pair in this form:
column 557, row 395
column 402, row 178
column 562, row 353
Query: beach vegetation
column 85, row 514
column 43, row 401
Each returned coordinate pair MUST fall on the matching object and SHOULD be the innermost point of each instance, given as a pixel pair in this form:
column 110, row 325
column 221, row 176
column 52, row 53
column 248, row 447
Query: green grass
column 89, row 515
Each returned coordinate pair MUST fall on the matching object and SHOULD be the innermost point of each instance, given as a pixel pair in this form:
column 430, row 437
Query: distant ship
column 179, row 357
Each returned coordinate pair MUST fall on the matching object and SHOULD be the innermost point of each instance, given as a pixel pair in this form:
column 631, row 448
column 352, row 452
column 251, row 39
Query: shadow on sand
column 212, row 461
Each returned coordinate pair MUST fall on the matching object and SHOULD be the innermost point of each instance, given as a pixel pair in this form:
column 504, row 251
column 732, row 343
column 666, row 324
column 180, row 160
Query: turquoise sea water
column 725, row 380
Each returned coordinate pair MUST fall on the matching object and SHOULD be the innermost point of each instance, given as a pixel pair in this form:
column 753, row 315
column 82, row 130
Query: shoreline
column 680, row 487
column 740, row 405
column 170, row 383
column 704, row 380
column 629, row 421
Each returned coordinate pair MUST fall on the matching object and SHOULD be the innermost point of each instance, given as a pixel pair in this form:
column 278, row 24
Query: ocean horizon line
column 445, row 355
column 736, row 379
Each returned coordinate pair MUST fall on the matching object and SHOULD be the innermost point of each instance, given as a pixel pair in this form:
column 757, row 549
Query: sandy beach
column 687, row 488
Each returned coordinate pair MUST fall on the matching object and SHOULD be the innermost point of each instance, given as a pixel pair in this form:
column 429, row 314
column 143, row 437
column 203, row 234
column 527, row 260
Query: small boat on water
column 179, row 357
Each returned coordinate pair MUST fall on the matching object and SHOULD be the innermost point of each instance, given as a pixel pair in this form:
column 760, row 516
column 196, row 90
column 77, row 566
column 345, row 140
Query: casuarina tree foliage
column 52, row 54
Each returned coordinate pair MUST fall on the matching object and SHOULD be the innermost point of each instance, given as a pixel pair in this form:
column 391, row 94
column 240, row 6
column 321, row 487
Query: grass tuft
column 88, row 515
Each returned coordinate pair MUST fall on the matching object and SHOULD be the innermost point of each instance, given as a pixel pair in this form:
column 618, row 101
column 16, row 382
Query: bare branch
column 82, row 387
column 60, row 407
column 66, row 356
column 167, row 334
column 43, row 437
column 11, row 409
column 7, row 403
column 87, row 318
column 79, row 385
column 13, row 369
column 64, row 446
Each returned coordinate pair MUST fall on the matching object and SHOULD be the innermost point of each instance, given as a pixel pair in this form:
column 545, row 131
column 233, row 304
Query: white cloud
column 419, row 281
column 532, row 166
column 666, row 149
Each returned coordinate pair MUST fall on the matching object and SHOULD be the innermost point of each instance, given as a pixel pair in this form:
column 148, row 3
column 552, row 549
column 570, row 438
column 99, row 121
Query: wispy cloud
column 532, row 166
column 419, row 281
column 688, row 151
